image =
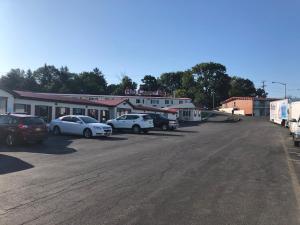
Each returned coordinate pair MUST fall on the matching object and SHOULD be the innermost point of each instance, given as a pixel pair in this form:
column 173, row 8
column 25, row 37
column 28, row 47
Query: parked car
column 17, row 128
column 79, row 125
column 136, row 122
column 296, row 135
column 162, row 122
column 293, row 125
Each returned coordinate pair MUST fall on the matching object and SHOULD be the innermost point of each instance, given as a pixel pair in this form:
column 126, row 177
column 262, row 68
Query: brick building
column 248, row 106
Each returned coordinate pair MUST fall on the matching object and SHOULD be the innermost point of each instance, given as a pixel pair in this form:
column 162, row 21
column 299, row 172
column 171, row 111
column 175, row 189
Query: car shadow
column 57, row 146
column 111, row 138
column 10, row 164
column 184, row 131
column 190, row 123
column 168, row 134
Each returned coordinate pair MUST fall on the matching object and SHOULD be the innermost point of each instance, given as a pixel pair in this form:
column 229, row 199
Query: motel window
column 78, row 111
column 167, row 102
column 22, row 108
column 121, row 111
column 93, row 113
column 3, row 105
column 61, row 111
column 171, row 102
column 154, row 101
column 180, row 102
column 138, row 101
column 44, row 112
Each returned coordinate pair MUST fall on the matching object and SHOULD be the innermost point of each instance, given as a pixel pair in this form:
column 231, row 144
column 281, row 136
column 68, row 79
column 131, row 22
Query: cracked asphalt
column 213, row 173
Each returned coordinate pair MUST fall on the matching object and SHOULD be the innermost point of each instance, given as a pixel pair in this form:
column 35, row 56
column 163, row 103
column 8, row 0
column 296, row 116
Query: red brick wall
column 246, row 105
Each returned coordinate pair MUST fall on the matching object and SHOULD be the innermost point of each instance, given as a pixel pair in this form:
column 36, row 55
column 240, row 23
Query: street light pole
column 213, row 95
column 284, row 84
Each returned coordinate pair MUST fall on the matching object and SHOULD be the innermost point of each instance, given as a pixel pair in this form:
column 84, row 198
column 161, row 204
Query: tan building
column 248, row 106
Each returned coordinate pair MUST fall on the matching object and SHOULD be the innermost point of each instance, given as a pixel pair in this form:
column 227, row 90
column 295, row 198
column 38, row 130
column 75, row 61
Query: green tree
column 261, row 93
column 241, row 87
column 48, row 78
column 125, row 84
column 149, row 83
column 13, row 80
column 30, row 83
column 171, row 81
column 92, row 82
column 212, row 82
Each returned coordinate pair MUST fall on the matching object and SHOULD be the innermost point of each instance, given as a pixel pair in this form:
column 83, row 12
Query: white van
column 294, row 116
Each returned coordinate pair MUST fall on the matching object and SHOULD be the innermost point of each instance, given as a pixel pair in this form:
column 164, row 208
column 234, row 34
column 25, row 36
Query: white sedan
column 80, row 125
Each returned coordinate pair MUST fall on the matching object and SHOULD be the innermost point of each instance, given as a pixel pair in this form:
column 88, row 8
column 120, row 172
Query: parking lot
column 217, row 172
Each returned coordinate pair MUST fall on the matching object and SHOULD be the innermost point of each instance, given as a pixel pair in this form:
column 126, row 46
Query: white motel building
column 101, row 107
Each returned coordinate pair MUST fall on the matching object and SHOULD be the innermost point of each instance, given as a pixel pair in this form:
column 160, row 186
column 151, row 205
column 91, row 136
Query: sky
column 257, row 39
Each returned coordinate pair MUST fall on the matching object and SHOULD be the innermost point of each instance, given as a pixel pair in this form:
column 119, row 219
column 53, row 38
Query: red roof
column 52, row 98
column 148, row 108
column 113, row 102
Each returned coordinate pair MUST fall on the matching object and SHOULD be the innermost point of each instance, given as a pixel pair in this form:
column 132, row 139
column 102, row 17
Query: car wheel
column 164, row 127
column 56, row 130
column 10, row 140
column 87, row 133
column 136, row 129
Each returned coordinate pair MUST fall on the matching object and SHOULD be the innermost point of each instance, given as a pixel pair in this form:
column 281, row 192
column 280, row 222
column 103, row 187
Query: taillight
column 22, row 126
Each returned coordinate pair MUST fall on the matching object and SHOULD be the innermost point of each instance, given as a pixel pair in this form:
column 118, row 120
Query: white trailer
column 279, row 111
column 294, row 115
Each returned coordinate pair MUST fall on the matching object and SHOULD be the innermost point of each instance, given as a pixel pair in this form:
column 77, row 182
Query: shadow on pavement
column 111, row 138
column 10, row 164
column 57, row 146
column 184, row 131
column 164, row 134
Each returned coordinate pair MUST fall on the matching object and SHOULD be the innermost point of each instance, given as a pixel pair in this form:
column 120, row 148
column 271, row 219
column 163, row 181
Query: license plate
column 38, row 129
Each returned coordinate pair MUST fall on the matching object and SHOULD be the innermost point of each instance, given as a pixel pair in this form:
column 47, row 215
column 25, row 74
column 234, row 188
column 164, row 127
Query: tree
column 149, row 83
column 261, row 93
column 48, row 78
column 13, row 80
column 126, row 84
column 171, row 81
column 30, row 83
column 92, row 82
column 241, row 87
column 212, row 82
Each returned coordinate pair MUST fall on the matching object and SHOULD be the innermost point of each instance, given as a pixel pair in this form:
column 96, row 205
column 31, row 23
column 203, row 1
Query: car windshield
column 163, row 117
column 88, row 119
column 33, row 121
column 147, row 117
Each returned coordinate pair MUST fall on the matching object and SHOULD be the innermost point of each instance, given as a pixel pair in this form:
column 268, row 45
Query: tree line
column 203, row 83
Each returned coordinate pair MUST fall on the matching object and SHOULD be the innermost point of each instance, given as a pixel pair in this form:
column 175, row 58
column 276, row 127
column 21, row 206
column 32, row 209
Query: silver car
column 80, row 125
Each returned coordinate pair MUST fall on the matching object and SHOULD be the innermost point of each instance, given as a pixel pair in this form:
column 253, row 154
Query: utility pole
column 213, row 100
column 263, row 85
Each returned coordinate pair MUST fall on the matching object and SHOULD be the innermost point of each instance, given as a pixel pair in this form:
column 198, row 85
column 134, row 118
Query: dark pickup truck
column 162, row 122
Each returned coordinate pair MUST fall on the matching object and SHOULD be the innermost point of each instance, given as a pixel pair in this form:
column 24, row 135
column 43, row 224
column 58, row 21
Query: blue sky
column 256, row 39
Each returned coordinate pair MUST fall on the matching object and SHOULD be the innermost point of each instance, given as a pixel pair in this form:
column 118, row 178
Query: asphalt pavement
column 213, row 173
